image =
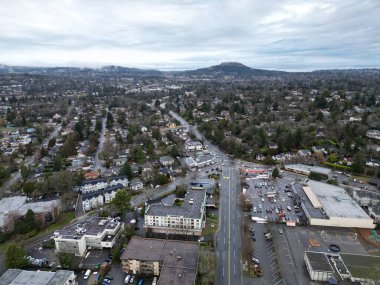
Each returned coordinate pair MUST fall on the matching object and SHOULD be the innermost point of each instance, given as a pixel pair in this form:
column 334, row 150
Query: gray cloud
column 286, row 34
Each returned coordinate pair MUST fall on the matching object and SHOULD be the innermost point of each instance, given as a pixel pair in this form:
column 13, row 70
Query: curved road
column 102, row 139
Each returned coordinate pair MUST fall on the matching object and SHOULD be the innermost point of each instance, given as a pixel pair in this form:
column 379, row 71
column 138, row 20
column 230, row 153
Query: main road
column 229, row 237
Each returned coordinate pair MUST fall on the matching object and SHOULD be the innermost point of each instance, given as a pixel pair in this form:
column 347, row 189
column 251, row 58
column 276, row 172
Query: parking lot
column 270, row 201
column 265, row 253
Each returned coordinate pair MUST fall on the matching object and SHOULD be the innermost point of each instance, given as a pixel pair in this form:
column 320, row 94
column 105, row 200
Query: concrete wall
column 343, row 222
column 316, row 275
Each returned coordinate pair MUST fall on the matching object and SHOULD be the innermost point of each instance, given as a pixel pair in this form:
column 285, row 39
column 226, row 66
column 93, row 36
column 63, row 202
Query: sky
column 187, row 34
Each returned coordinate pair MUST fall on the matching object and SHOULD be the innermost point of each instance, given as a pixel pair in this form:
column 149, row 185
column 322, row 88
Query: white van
column 87, row 274
column 127, row 279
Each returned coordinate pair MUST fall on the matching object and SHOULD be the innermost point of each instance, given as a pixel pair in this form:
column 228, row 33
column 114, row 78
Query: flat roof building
column 26, row 277
column 96, row 232
column 175, row 262
column 12, row 208
column 366, row 198
column 307, row 169
column 342, row 266
column 328, row 205
column 188, row 219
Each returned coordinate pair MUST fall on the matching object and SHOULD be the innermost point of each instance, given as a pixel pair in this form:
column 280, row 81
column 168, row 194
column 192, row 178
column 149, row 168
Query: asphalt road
column 102, row 139
column 229, row 235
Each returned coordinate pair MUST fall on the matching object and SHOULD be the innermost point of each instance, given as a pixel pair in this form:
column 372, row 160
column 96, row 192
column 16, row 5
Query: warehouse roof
column 336, row 202
column 24, row 277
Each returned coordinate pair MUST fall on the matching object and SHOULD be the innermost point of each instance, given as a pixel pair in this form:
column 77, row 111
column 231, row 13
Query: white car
column 255, row 260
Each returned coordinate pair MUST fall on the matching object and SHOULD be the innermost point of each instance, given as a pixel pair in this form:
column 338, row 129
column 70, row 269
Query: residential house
column 136, row 184
column 120, row 161
column 146, row 171
column 373, row 134
column 115, row 180
column 93, row 185
column 193, row 145
column 166, row 160
column 304, row 152
column 91, row 175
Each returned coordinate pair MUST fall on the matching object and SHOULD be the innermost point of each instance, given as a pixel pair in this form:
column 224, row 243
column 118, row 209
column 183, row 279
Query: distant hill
column 231, row 69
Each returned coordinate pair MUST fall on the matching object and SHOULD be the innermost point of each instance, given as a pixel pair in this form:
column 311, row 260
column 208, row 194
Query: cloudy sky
column 175, row 34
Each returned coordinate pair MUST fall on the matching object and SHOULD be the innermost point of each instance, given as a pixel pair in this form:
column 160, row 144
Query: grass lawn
column 64, row 219
column 212, row 224
column 365, row 179
column 362, row 266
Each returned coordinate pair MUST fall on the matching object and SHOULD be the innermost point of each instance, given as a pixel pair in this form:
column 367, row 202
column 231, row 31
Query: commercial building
column 174, row 262
column 256, row 173
column 204, row 159
column 188, row 219
column 13, row 208
column 328, row 205
column 96, row 232
column 366, row 198
column 307, row 170
column 26, row 277
column 322, row 267
column 190, row 162
column 374, row 212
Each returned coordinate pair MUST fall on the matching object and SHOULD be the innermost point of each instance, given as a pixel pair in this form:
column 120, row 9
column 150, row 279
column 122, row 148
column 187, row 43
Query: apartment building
column 96, row 232
column 188, row 219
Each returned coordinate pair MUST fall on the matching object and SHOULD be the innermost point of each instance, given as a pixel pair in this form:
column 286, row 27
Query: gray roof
column 336, row 202
column 19, row 206
column 375, row 209
column 303, row 167
column 12, row 203
column 187, row 210
column 362, row 193
column 166, row 159
column 179, row 258
column 92, row 226
column 24, row 277
column 135, row 181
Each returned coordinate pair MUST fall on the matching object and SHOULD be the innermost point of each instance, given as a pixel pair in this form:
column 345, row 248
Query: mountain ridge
column 223, row 69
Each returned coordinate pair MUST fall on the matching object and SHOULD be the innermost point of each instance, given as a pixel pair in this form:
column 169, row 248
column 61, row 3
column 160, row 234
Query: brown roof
column 179, row 258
